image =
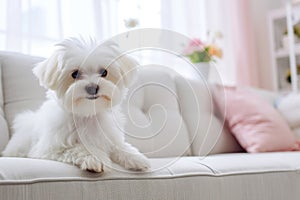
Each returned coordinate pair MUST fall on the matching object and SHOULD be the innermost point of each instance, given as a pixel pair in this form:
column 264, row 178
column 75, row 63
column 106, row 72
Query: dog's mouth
column 92, row 97
column 96, row 97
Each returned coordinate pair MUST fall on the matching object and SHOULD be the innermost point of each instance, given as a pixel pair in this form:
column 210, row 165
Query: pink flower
column 194, row 45
column 196, row 42
column 199, row 51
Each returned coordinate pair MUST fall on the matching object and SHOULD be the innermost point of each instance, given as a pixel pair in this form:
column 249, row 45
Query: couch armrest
column 4, row 134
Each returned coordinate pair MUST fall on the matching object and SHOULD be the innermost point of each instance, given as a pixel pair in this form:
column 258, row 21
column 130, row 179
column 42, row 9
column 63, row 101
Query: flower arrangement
column 198, row 51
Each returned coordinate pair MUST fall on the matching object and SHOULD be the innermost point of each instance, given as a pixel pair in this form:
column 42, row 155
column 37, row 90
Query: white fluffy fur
column 71, row 128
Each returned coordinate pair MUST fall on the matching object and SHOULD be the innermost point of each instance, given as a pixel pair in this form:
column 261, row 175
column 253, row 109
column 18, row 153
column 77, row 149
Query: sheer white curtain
column 31, row 26
column 185, row 17
column 34, row 26
column 233, row 18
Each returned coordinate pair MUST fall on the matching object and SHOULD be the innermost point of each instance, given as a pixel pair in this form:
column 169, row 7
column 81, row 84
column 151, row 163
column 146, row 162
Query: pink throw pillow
column 257, row 126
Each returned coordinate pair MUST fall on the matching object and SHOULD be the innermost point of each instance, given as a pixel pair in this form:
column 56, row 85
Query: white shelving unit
column 284, row 57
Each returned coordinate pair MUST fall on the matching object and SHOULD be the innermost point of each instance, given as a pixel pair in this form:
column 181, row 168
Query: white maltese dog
column 81, row 122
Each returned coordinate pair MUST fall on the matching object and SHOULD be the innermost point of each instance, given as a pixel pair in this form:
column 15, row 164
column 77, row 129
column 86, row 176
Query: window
column 32, row 26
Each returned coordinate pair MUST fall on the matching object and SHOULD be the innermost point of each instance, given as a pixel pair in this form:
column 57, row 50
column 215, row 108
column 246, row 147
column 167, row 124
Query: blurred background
column 34, row 26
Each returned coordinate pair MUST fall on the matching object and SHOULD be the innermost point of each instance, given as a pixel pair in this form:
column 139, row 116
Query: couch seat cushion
column 228, row 176
column 24, row 170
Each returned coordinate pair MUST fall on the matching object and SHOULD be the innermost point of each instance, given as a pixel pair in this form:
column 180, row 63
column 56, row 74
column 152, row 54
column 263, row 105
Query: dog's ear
column 48, row 71
column 128, row 68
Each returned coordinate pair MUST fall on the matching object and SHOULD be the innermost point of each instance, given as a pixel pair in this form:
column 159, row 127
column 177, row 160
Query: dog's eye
column 103, row 72
column 76, row 74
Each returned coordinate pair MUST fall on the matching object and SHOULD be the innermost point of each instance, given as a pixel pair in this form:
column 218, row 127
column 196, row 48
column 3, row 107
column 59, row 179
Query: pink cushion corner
column 257, row 126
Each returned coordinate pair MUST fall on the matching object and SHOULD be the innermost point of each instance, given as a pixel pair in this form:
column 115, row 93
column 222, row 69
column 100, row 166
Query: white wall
column 259, row 13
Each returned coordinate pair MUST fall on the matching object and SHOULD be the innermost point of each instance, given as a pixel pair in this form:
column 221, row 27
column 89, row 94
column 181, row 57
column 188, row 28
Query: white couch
column 172, row 122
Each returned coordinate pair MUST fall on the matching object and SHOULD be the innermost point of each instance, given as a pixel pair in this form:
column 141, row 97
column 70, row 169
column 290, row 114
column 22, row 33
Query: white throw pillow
column 289, row 108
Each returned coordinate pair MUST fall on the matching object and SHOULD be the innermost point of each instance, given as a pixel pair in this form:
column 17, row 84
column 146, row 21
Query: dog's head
column 86, row 77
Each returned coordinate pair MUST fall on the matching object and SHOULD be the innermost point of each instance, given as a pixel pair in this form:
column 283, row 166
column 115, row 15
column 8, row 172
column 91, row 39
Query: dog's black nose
column 92, row 89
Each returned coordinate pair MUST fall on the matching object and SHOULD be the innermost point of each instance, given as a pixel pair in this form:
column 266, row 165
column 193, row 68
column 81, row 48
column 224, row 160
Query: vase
column 203, row 69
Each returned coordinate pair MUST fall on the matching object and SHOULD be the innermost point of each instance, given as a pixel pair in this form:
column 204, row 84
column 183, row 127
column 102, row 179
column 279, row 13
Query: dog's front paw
column 137, row 162
column 93, row 164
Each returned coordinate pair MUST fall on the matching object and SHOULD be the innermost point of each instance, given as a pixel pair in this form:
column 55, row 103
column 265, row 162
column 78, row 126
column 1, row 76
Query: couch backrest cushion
column 155, row 122
column 207, row 132
column 21, row 89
